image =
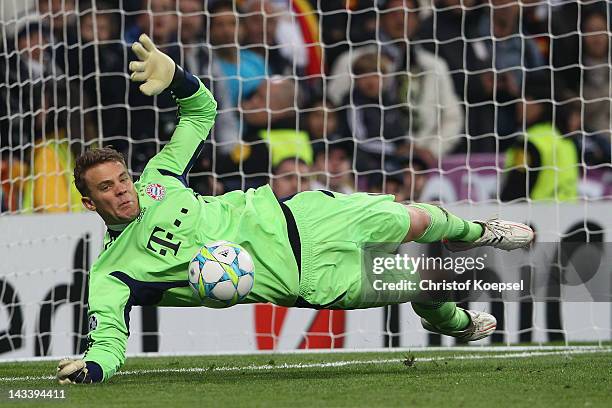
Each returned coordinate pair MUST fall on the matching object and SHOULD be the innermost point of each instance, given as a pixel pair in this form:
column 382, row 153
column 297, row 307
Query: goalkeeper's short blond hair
column 91, row 158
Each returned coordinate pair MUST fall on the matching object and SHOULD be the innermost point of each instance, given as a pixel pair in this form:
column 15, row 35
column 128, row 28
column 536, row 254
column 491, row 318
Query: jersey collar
column 115, row 230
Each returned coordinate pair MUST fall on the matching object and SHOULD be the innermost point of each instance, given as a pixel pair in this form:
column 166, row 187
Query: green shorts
column 333, row 231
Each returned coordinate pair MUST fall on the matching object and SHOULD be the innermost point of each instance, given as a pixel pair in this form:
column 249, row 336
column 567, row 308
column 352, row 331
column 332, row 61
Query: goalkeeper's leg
column 449, row 319
column 429, row 223
column 333, row 228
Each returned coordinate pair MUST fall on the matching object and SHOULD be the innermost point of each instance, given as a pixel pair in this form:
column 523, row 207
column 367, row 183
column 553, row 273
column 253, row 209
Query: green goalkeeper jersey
column 146, row 262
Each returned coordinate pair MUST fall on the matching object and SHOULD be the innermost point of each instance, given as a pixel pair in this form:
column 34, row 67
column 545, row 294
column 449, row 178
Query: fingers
column 66, row 371
column 63, row 363
column 139, row 76
column 139, row 50
column 72, row 372
column 67, row 367
column 147, row 43
column 137, row 66
column 140, row 72
column 155, row 68
column 148, row 88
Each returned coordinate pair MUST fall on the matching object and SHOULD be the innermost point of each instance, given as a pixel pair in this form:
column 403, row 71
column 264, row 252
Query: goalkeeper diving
column 306, row 248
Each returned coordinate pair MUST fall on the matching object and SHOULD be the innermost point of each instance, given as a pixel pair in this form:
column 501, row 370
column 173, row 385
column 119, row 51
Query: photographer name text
column 429, row 285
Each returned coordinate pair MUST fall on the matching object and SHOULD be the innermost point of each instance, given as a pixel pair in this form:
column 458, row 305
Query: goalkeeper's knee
column 419, row 222
column 430, row 223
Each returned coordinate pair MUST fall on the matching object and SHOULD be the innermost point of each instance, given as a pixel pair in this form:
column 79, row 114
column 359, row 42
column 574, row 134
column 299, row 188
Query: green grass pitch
column 576, row 377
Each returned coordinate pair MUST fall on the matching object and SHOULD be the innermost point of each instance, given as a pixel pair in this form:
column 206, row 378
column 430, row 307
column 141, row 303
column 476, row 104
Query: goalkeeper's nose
column 121, row 190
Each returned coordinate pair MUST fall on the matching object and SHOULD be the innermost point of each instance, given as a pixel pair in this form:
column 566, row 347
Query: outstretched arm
column 109, row 307
column 197, row 108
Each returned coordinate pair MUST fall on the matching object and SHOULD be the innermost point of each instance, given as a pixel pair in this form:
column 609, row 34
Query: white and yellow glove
column 155, row 68
column 73, row 372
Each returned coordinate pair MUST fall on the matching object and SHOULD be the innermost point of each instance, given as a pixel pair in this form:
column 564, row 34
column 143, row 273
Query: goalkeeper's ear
column 88, row 203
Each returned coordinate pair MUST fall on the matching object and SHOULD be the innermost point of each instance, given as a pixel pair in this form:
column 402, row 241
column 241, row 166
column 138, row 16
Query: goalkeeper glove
column 155, row 68
column 73, row 372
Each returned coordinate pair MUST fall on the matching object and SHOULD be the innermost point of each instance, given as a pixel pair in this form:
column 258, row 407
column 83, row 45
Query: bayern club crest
column 156, row 191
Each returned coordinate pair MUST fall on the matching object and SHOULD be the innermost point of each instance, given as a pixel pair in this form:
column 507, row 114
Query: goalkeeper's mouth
column 127, row 211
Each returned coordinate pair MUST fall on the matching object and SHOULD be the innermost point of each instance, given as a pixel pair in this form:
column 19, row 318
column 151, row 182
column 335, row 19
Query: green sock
column 444, row 225
column 445, row 315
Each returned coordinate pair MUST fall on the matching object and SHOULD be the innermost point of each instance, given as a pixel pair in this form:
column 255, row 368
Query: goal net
column 491, row 108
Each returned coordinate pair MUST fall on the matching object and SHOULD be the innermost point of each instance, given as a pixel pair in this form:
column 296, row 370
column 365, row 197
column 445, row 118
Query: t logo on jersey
column 164, row 242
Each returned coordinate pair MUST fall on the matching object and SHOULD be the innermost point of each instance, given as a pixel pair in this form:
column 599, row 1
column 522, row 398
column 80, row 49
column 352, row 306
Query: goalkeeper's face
column 111, row 193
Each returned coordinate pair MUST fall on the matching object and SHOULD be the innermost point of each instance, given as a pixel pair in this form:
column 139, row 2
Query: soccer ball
column 223, row 272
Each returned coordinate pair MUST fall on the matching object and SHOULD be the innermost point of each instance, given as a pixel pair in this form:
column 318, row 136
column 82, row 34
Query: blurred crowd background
column 345, row 95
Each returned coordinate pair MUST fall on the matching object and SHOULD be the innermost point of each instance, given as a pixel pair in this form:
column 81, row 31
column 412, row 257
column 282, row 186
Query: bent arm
column 197, row 111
